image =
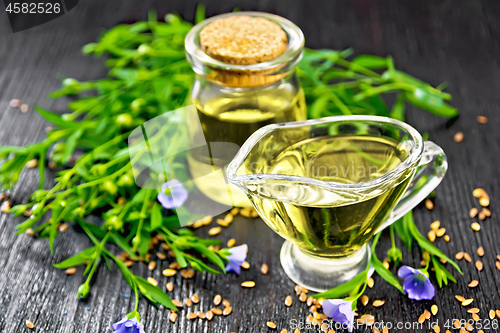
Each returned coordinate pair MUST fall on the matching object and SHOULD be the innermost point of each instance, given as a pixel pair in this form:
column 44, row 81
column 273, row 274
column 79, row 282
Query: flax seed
column 152, row 265
column 214, row 231
column 375, row 330
column 492, row 314
column 497, row 265
column 6, row 206
column 174, row 265
column 473, row 283
column 209, row 315
column 152, row 281
column 227, row 311
column 443, row 261
column 188, row 302
column 177, row 303
column 467, row 302
column 245, row 265
column 170, row 286
column 248, row 284
column 364, row 300
column 479, row 265
column 475, row 226
column 423, row 263
column 482, row 119
column 482, row 216
column 431, row 235
column 467, row 257
column 446, row 238
column 30, row 232
column 440, row 232
column 460, row 298
column 427, row 314
column 486, row 212
column 187, row 273
column 70, row 271
column 24, row 108
column 271, row 325
column 473, row 310
column 169, row 272
column 385, row 264
column 192, row 316
column 15, row 103
column 303, row 297
column 231, row 242
column 377, row 303
column 497, row 312
column 435, row 225
column 128, row 263
column 480, row 251
column 370, row 282
column 436, row 328
column 385, row 330
column 225, row 303
column 283, row 331
column 264, row 269
column 469, row 327
column 458, row 137
column 367, row 319
column 429, row 204
column 434, row 309
column 483, row 201
column 30, row 324
column 217, row 299
column 216, row 311
column 456, row 323
column 195, row 299
column 201, row 315
column 288, row 300
column 473, row 212
column 173, row 317
column 298, row 331
column 161, row 255
column 253, row 213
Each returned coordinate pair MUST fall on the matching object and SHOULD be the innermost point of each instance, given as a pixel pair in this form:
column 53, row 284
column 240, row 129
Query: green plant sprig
column 148, row 76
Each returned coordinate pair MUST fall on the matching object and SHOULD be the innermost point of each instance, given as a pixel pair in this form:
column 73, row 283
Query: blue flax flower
column 128, row 326
column 417, row 284
column 172, row 194
column 236, row 258
column 341, row 311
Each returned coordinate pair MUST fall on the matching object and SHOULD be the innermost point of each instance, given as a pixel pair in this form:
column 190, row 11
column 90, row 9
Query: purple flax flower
column 172, row 194
column 236, row 258
column 128, row 326
column 417, row 284
column 341, row 311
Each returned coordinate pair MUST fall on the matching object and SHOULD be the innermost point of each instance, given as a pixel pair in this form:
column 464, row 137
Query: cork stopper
column 243, row 40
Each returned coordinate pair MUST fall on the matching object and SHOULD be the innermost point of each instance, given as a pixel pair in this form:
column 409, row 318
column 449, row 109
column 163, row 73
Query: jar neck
column 246, row 76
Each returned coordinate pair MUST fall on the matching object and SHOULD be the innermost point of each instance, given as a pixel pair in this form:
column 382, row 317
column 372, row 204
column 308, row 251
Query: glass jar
column 234, row 99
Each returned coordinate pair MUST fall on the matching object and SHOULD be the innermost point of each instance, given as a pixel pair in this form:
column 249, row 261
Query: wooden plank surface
column 454, row 41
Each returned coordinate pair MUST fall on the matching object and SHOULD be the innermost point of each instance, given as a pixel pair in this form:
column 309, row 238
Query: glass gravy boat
column 328, row 185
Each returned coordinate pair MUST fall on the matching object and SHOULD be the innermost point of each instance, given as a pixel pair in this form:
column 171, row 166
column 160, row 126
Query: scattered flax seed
column 469, row 327
column 264, row 269
column 473, row 212
column 303, row 297
column 128, row 263
column 63, row 227
column 473, row 310
column 225, row 303
column 483, row 201
column 467, row 257
column 228, row 218
column 6, row 206
column 177, row 303
column 423, row 263
column 443, row 261
column 30, row 324
column 434, row 309
column 209, row 315
column 271, row 325
column 497, row 312
column 435, row 225
column 492, row 314
column 310, row 301
column 248, row 284
column 486, row 212
column 188, row 302
column 227, row 311
column 385, row 264
column 475, row 317
column 480, row 251
column 216, row 311
column 479, row 192
column 482, row 119
column 440, row 232
column 187, row 273
column 473, row 283
column 482, row 216
column 231, row 242
column 245, row 265
column 161, row 255
column 460, row 298
column 253, row 213
column 431, row 235
column 364, row 300
column 152, row 281
column 283, row 331
column 436, row 328
column 427, row 314
column 174, row 265
column 214, row 231
column 288, row 301
column 429, row 204
column 32, row 164
column 24, row 108
column 30, row 232
column 480, row 331
column 385, row 330
column 217, row 299
column 375, row 330
column 467, row 301
column 173, row 317
column 456, row 323
column 170, row 286
column 458, row 137
column 497, row 265
column 192, row 316
column 201, row 315
column 298, row 331
column 169, row 272
column 475, row 226
column 70, row 271
column 152, row 265
column 195, row 299
column 370, row 282
column 367, row 319
column 377, row 303
column 479, row 265
column 15, row 103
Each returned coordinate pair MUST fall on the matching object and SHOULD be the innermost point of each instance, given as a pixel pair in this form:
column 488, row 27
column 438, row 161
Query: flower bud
column 395, row 255
column 110, row 187
column 83, row 290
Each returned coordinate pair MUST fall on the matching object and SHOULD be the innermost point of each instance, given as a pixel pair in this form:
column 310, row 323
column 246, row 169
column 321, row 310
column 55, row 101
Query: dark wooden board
column 454, row 41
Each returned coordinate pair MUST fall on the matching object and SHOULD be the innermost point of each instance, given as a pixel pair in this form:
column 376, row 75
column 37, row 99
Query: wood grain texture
column 454, row 41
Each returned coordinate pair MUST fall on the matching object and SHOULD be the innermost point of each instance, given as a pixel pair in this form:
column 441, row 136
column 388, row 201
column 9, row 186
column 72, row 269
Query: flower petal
column 404, row 271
